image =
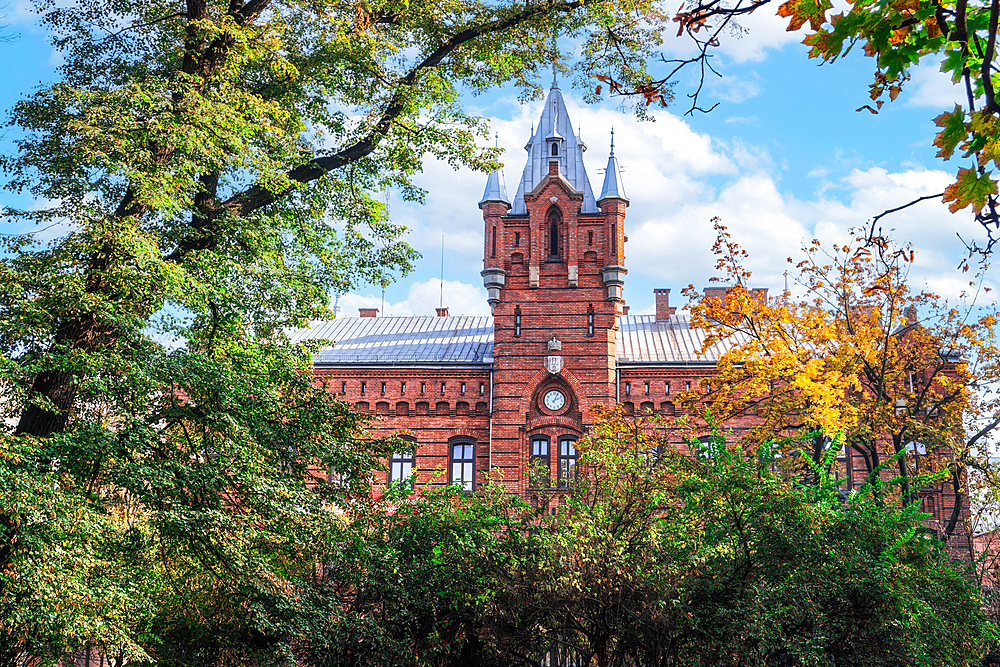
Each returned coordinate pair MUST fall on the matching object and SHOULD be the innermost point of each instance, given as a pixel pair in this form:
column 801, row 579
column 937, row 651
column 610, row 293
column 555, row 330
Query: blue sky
column 783, row 158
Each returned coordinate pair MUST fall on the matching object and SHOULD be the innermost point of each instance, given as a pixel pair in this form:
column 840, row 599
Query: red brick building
column 504, row 393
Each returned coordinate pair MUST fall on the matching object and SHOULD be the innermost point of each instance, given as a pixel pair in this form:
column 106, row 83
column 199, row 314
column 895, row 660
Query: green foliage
column 213, row 171
column 417, row 580
column 714, row 560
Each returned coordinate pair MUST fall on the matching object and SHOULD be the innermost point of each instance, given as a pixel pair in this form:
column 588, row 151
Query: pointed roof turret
column 613, row 188
column 496, row 189
column 554, row 124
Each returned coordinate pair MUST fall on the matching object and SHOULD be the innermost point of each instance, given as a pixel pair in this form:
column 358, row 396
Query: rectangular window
column 539, row 472
column 517, row 320
column 647, row 387
column 614, row 240
column 517, row 238
column 363, row 385
column 402, row 388
column 590, row 319
column 401, row 465
column 462, row 464
column 687, row 386
column 628, row 388
column 666, row 388
column 493, row 252
column 463, row 388
column 383, row 387
column 442, row 388
column 482, row 388
column 343, row 387
column 423, row 387
column 567, row 462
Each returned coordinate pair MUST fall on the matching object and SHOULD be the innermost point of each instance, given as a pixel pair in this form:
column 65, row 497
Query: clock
column 554, row 399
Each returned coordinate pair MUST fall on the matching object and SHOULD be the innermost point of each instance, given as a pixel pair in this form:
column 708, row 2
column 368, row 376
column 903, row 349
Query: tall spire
column 613, row 188
column 554, row 125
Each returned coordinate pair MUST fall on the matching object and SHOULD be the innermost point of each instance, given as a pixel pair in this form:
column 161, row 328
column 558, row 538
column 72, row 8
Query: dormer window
column 555, row 149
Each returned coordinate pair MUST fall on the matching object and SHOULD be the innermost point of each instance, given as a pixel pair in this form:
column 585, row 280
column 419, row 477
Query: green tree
column 213, row 169
column 904, row 376
column 661, row 557
column 421, row 580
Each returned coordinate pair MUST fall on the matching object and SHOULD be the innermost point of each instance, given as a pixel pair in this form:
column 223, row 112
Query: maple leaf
column 954, row 132
column 969, row 189
column 800, row 11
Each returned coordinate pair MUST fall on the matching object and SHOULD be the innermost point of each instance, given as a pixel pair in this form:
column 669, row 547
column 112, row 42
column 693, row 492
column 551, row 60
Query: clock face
column 554, row 399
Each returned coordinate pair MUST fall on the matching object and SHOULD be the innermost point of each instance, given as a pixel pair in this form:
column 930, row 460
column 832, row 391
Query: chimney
column 663, row 309
column 368, row 312
column 442, row 312
column 716, row 292
column 553, row 167
column 911, row 314
column 624, row 310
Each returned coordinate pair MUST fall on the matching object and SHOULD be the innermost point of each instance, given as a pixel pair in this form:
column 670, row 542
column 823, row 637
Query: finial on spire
column 555, row 58
column 496, row 140
column 612, row 141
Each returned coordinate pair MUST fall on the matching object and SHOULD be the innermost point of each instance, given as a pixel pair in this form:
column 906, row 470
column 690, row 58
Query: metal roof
column 496, row 189
column 418, row 340
column 468, row 340
column 642, row 339
column 613, row 187
column 554, row 126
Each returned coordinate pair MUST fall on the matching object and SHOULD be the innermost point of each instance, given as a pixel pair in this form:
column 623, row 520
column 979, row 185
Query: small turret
column 613, row 188
column 496, row 190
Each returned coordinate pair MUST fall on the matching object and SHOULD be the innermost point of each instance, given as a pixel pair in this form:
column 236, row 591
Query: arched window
column 554, row 219
column 539, row 472
column 462, row 463
column 402, row 462
column 567, row 461
column 555, row 149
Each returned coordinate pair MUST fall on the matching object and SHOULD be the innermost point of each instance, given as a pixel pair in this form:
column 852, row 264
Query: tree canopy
column 213, row 169
column 902, row 379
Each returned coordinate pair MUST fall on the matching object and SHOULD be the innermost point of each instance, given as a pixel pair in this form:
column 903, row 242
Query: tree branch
column 258, row 196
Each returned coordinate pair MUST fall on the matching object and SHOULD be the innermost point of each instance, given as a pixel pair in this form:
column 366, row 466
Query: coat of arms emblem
column 553, row 364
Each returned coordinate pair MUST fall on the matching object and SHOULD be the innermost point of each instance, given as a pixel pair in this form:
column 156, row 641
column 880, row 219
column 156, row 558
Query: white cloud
column 930, row 87
column 678, row 179
column 423, row 298
column 764, row 31
column 734, row 89
column 749, row 38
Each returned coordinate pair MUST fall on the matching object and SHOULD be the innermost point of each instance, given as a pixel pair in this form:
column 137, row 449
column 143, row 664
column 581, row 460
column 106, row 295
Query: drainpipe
column 489, row 460
column 618, row 383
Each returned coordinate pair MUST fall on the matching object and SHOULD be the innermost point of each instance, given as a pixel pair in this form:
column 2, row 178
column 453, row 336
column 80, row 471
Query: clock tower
column 554, row 269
